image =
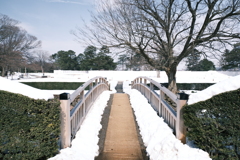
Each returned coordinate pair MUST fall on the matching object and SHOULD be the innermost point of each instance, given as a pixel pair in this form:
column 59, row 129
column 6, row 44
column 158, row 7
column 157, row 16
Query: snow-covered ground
column 16, row 87
column 157, row 136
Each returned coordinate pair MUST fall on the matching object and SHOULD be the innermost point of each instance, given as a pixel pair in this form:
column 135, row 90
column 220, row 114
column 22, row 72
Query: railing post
column 96, row 82
column 82, row 99
column 65, row 120
column 180, row 127
column 150, row 93
column 91, row 86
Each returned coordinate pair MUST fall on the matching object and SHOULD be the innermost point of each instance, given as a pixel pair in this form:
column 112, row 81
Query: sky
column 51, row 21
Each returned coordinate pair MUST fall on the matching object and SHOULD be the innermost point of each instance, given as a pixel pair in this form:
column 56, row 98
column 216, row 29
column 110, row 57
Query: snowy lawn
column 16, row 87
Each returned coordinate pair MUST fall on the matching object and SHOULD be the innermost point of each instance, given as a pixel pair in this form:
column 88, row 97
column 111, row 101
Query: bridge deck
column 121, row 136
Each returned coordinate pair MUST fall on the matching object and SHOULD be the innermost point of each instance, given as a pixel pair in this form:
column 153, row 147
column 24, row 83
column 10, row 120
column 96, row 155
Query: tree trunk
column 3, row 72
column 42, row 70
column 158, row 73
column 171, row 73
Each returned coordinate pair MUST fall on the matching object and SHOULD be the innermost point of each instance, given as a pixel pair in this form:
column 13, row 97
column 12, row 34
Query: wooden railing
column 71, row 119
column 164, row 102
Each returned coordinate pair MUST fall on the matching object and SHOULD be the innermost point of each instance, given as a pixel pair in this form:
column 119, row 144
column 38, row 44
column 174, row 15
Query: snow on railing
column 71, row 120
column 165, row 103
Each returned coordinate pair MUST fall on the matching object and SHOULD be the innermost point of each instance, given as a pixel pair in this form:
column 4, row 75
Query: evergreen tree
column 91, row 60
column 122, row 60
column 87, row 61
column 66, row 60
column 103, row 61
column 231, row 59
column 205, row 65
column 193, row 60
column 135, row 62
column 194, row 63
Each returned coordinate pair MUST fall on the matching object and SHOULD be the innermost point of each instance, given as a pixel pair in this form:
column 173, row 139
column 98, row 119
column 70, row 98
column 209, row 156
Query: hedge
column 55, row 85
column 190, row 86
column 29, row 128
column 214, row 125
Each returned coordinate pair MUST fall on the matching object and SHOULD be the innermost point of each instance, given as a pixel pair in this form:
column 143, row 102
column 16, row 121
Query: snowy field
column 157, row 136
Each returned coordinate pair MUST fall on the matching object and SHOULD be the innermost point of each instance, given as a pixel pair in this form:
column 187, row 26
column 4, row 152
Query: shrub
column 54, row 85
column 190, row 86
column 29, row 128
column 214, row 125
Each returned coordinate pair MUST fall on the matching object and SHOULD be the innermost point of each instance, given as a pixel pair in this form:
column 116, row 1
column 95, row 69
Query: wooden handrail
column 72, row 120
column 162, row 104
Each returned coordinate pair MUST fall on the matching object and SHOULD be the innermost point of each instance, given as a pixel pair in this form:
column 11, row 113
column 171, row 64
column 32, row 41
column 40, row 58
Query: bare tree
column 15, row 44
column 164, row 32
column 42, row 58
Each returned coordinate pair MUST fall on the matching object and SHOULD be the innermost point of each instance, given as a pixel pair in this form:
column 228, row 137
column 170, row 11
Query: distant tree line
column 133, row 62
column 195, row 63
column 19, row 52
column 231, row 59
column 90, row 59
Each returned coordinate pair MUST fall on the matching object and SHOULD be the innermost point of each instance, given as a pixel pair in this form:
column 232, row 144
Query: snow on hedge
column 229, row 84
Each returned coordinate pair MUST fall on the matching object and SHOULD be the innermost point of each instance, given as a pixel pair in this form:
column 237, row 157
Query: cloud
column 26, row 26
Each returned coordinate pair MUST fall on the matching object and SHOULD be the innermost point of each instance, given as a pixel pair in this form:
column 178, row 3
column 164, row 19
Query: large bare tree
column 42, row 58
column 15, row 44
column 164, row 32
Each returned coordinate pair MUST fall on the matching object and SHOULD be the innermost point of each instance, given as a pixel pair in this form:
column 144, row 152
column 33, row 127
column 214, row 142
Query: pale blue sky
column 50, row 20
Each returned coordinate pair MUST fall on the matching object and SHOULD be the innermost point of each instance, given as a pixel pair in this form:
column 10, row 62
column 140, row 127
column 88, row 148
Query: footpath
column 122, row 137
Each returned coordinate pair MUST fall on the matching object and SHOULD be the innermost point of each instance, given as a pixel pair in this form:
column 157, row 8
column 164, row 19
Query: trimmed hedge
column 29, row 128
column 214, row 125
column 190, row 86
column 55, row 85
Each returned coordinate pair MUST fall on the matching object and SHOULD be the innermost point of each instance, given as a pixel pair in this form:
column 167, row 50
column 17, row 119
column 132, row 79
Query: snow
column 85, row 144
column 157, row 136
column 160, row 142
column 16, row 87
column 230, row 84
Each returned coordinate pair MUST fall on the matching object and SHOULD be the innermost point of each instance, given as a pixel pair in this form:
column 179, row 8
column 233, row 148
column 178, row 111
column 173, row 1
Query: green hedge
column 55, row 85
column 29, row 128
column 191, row 86
column 214, row 125
column 188, row 86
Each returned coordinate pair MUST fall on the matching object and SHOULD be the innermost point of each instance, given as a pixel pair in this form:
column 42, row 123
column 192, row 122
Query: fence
column 71, row 119
column 165, row 103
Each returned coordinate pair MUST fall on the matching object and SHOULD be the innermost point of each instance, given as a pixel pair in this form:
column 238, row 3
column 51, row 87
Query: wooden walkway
column 121, row 140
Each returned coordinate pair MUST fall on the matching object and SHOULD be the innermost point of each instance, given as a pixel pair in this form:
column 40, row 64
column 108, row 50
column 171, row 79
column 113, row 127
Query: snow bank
column 85, row 144
column 157, row 136
column 16, row 87
column 229, row 84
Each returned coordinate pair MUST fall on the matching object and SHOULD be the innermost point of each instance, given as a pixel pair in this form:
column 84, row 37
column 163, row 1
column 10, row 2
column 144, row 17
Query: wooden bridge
column 121, row 129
